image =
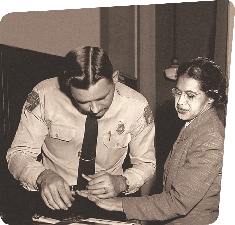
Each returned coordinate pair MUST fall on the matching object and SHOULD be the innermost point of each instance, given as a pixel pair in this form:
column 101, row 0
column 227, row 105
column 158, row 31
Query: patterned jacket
column 192, row 177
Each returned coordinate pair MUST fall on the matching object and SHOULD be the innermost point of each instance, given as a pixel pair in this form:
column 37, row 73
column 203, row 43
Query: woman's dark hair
column 210, row 77
column 85, row 66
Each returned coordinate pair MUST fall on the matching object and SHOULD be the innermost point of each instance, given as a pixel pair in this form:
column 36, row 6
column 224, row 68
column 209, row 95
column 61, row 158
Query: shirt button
column 57, row 135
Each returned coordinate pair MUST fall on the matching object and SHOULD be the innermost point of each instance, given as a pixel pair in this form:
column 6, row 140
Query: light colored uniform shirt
column 50, row 124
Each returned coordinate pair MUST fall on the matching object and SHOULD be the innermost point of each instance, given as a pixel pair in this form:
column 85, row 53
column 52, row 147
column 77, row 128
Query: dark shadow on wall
column 168, row 126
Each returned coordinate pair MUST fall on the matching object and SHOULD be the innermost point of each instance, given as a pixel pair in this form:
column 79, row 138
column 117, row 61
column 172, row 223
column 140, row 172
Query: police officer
column 53, row 122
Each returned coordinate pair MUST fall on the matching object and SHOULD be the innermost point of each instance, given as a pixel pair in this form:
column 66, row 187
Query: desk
column 82, row 207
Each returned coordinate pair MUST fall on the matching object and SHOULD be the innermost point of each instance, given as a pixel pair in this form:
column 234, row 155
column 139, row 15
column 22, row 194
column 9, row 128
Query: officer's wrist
column 40, row 178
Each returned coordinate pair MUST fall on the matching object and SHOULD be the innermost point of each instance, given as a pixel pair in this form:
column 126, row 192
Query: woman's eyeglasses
column 189, row 96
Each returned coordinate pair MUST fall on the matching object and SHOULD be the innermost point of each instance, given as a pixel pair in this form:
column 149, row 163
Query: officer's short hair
column 84, row 66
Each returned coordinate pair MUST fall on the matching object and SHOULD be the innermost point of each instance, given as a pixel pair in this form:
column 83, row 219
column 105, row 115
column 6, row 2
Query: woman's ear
column 115, row 76
column 210, row 100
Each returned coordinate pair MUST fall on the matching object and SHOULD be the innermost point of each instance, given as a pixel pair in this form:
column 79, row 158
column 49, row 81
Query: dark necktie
column 88, row 154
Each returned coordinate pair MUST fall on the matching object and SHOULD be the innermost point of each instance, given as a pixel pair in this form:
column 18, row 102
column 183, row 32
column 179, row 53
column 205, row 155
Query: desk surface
column 82, row 206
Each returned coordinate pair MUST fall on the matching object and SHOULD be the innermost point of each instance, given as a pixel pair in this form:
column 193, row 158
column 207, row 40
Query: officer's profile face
column 97, row 99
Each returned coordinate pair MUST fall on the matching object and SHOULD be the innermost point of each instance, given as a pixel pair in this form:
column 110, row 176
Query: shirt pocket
column 62, row 133
column 116, row 140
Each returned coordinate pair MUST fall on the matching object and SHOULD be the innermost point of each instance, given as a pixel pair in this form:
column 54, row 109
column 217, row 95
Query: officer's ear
column 115, row 76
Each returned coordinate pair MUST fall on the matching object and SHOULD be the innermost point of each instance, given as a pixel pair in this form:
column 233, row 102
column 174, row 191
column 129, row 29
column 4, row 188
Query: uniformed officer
column 53, row 121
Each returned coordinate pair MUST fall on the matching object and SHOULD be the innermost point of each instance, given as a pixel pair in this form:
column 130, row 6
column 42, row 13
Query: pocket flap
column 116, row 140
column 61, row 132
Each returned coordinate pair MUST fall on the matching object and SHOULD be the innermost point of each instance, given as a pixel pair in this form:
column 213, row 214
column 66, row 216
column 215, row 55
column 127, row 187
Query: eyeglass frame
column 187, row 94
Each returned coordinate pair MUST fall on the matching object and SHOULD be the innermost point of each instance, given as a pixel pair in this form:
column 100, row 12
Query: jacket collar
column 196, row 123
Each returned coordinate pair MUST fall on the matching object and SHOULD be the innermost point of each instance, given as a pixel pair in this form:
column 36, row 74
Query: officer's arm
column 142, row 153
column 26, row 146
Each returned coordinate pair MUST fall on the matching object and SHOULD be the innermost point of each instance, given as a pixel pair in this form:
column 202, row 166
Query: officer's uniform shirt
column 50, row 124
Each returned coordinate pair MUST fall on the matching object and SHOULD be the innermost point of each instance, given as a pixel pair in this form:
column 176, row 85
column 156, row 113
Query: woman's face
column 190, row 101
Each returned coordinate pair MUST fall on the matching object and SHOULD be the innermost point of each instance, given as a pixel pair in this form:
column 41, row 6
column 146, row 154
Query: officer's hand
column 55, row 191
column 105, row 185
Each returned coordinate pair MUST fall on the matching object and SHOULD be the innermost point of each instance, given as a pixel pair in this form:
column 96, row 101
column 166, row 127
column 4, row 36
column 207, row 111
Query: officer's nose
column 94, row 108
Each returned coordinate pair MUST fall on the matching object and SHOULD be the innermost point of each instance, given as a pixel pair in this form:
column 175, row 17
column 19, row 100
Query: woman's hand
column 111, row 204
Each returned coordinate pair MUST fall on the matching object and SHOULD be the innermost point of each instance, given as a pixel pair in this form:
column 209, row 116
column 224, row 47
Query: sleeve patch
column 32, row 101
column 148, row 115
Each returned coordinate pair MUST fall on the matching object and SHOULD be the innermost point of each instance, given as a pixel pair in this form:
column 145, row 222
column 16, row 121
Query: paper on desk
column 100, row 223
column 94, row 221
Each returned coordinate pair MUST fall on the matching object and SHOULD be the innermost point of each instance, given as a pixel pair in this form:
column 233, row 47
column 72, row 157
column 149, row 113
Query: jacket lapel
column 176, row 155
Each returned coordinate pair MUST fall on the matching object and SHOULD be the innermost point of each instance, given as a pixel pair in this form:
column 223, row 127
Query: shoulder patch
column 125, row 91
column 148, row 115
column 32, row 101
